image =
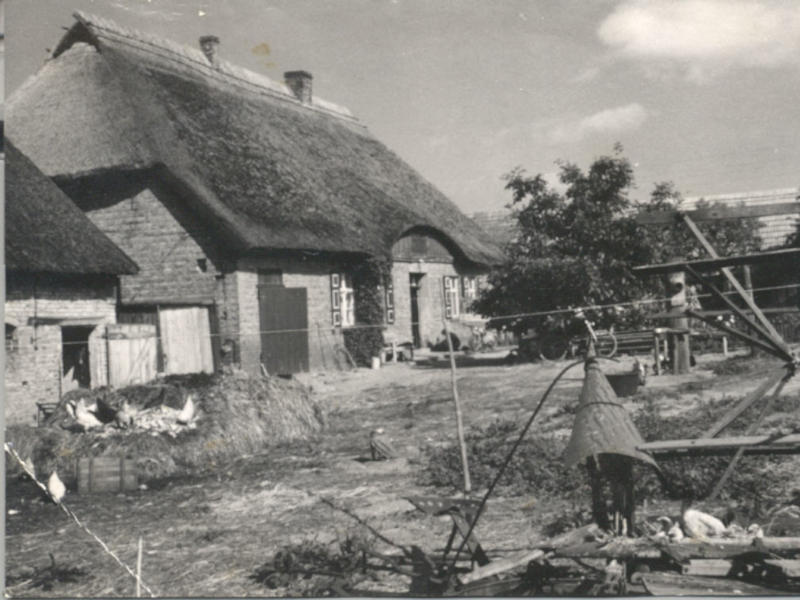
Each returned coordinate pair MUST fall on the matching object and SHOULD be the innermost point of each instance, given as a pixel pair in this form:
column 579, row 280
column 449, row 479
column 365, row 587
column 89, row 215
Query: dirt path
column 207, row 536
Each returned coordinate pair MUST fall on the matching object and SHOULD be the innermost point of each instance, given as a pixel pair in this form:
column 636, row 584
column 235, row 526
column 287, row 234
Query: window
column 343, row 302
column 11, row 339
column 451, row 300
column 389, row 302
column 469, row 291
column 270, row 277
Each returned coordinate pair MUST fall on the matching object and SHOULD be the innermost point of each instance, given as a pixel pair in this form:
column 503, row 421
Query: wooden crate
column 106, row 474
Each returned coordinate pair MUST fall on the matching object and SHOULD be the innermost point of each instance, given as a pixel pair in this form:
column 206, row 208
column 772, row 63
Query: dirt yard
column 207, row 535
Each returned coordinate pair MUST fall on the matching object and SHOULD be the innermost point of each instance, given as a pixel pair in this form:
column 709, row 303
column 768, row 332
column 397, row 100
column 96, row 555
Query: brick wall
column 64, row 297
column 34, row 353
column 433, row 269
column 310, row 273
column 179, row 257
column 430, row 301
column 33, row 371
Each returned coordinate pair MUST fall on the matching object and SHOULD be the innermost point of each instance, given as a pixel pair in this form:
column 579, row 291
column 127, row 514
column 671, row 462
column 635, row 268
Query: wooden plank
column 772, row 379
column 501, row 566
column 673, row 584
column 790, row 566
column 714, row 213
column 708, row 567
column 751, row 443
column 725, row 548
column 714, row 264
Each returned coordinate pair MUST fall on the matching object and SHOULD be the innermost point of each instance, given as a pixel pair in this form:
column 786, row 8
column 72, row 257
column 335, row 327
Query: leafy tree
column 575, row 247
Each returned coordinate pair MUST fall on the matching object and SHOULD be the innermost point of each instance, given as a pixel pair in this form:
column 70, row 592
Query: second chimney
column 208, row 44
column 300, row 84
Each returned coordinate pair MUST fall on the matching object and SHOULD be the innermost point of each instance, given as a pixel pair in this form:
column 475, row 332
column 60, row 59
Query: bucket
column 376, row 362
column 106, row 474
column 624, row 384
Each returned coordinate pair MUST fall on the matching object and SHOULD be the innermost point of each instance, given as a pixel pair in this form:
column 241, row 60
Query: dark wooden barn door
column 284, row 329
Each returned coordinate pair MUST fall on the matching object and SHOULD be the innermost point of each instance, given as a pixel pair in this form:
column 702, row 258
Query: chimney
column 208, row 44
column 300, row 83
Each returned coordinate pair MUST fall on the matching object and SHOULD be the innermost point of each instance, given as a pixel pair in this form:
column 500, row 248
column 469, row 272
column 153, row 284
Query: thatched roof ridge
column 47, row 233
column 278, row 173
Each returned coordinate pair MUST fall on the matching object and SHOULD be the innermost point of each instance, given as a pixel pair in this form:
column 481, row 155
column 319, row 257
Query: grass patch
column 537, row 466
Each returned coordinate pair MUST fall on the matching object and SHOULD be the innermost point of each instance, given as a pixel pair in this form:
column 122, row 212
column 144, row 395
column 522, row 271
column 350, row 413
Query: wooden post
column 656, row 354
column 459, row 423
column 676, row 287
column 748, row 288
column 139, row 570
column 725, row 346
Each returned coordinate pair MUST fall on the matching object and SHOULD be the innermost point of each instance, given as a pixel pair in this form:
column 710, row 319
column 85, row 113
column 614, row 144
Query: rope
column 508, row 458
column 541, row 313
column 72, row 515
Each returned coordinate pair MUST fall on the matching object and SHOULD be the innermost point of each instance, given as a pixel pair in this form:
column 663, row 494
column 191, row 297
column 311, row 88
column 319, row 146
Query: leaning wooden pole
column 139, row 570
column 459, row 423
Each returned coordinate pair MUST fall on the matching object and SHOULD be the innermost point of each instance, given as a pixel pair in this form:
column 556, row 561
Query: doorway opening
column 75, row 354
column 415, row 282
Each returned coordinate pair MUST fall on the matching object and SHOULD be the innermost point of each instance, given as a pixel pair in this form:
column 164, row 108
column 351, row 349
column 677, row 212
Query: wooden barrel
column 106, row 474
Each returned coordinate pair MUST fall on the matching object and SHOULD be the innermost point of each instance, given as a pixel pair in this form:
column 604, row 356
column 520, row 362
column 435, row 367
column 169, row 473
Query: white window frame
column 470, row 287
column 347, row 300
column 452, row 295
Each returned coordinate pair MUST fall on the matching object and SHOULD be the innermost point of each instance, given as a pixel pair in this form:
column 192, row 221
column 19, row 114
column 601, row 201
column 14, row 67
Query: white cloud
column 608, row 121
column 706, row 36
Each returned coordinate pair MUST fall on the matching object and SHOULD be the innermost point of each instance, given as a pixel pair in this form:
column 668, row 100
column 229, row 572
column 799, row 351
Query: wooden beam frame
column 748, row 299
column 765, row 335
column 718, row 213
column 718, row 263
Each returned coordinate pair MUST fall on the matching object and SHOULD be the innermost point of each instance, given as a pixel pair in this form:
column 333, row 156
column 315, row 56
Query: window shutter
column 389, row 300
column 336, row 305
column 448, row 307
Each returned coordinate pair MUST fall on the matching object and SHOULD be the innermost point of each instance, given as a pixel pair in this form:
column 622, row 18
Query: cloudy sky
column 700, row 92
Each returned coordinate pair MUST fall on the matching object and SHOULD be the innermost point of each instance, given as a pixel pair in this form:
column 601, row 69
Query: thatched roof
column 47, row 233
column 277, row 173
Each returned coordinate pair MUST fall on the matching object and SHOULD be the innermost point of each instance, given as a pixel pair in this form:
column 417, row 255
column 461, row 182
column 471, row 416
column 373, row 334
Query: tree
column 576, row 247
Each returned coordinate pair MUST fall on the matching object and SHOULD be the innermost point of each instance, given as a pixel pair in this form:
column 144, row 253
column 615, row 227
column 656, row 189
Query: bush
column 366, row 340
column 537, row 466
column 363, row 344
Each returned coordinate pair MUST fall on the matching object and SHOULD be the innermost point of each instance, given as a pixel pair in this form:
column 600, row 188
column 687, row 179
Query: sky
column 703, row 93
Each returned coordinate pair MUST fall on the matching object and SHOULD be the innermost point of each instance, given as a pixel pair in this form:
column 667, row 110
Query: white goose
column 700, row 525
column 85, row 417
column 187, row 413
column 56, row 487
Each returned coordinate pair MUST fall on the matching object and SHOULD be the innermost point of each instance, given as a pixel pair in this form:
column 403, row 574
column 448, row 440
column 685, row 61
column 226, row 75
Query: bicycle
column 556, row 346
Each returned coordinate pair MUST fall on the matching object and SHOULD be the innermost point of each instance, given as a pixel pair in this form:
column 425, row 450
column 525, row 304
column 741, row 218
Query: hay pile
column 236, row 415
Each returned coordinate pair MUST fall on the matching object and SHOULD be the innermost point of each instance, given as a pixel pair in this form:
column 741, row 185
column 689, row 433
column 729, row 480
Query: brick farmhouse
column 62, row 276
column 245, row 202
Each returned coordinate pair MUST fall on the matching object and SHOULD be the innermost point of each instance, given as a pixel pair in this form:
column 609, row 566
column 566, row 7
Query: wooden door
column 186, row 340
column 131, row 354
column 283, row 316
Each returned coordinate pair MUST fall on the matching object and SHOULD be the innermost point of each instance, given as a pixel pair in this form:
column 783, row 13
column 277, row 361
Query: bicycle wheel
column 553, row 347
column 606, row 345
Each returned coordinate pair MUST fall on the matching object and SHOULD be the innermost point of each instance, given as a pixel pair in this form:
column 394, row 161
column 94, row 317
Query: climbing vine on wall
column 369, row 280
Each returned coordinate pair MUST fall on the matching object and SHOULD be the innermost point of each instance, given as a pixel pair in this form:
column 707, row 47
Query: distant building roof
column 47, row 233
column 774, row 230
column 269, row 164
column 500, row 225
